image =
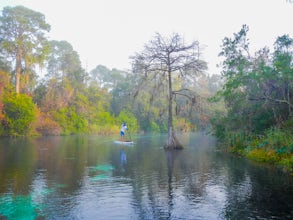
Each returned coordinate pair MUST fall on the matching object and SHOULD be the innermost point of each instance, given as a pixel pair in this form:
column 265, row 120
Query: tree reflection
column 62, row 174
column 17, row 165
column 170, row 156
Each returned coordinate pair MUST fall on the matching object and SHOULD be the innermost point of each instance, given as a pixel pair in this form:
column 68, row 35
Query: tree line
column 69, row 100
column 248, row 107
column 258, row 97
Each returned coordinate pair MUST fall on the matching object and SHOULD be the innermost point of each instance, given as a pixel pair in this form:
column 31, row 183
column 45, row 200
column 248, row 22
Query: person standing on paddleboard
column 122, row 131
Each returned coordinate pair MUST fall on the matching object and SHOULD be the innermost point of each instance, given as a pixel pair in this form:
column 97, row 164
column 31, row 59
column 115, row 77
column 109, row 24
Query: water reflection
column 123, row 157
column 170, row 157
column 89, row 177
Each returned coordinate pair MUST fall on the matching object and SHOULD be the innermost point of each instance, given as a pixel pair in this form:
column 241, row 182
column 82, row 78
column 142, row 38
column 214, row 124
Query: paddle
column 129, row 135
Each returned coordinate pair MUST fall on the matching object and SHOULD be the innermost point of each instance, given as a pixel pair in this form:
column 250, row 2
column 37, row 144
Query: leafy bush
column 154, row 127
column 105, row 129
column 264, row 155
column 287, row 163
column 45, row 125
column 278, row 138
column 129, row 118
column 103, row 118
column 163, row 127
column 20, row 112
column 183, row 125
column 275, row 146
column 288, row 125
column 219, row 126
column 70, row 121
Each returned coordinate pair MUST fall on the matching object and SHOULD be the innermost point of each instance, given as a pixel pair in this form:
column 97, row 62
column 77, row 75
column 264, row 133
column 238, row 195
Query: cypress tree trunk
column 172, row 142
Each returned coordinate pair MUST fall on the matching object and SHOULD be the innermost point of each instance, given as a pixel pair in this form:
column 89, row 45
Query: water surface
column 91, row 177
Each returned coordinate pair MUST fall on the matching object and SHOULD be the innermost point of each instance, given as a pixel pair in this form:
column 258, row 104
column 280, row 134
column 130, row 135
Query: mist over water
column 91, row 177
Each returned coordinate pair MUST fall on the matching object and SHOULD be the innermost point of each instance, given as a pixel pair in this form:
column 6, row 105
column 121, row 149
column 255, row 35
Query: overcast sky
column 107, row 32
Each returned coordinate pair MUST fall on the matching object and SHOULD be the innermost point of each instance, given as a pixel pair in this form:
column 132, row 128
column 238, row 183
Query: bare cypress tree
column 162, row 59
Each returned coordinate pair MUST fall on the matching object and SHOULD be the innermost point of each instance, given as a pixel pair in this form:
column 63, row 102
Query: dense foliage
column 65, row 99
column 251, row 114
column 258, row 94
column 19, row 113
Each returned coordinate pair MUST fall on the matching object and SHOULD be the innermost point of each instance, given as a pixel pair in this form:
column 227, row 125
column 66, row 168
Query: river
column 91, row 177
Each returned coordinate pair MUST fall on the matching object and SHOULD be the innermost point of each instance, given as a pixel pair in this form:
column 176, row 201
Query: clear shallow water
column 90, row 177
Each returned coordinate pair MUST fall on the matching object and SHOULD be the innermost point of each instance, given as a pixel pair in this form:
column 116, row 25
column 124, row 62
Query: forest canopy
column 72, row 100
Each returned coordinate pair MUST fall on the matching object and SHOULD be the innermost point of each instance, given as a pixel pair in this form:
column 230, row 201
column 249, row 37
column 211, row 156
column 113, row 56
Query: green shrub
column 275, row 146
column 129, row 118
column 46, row 126
column 105, row 129
column 70, row 121
column 262, row 155
column 154, row 127
column 103, row 118
column 288, row 125
column 20, row 112
column 287, row 164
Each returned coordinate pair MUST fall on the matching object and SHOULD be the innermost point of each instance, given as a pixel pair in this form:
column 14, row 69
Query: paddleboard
column 124, row 142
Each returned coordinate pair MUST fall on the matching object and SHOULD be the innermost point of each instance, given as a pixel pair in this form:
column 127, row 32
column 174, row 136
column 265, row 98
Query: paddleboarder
column 122, row 131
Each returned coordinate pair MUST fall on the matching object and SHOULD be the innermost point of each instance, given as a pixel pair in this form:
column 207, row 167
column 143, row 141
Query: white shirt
column 123, row 128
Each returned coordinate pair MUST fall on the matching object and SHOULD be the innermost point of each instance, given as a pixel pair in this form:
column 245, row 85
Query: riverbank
column 274, row 147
